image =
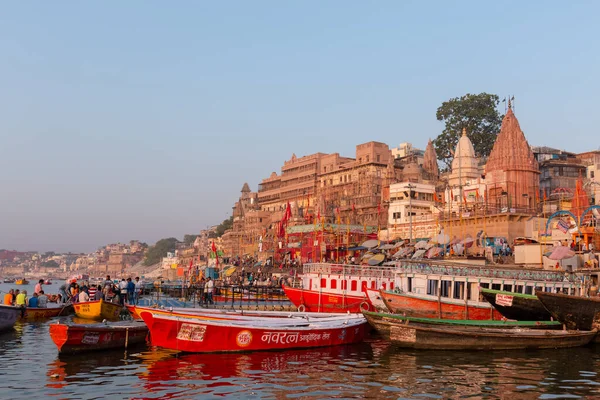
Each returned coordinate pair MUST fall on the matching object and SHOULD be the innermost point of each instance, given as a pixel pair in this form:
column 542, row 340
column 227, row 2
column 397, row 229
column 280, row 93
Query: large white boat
column 448, row 289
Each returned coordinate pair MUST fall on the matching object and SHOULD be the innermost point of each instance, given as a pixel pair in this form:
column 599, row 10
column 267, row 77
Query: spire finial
column 510, row 103
column 464, row 131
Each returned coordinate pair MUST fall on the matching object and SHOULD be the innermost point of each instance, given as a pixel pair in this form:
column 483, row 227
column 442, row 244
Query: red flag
column 379, row 209
column 451, row 195
column 191, row 265
column 465, row 198
column 353, row 208
column 318, row 215
column 435, row 197
column 477, row 194
column 214, row 248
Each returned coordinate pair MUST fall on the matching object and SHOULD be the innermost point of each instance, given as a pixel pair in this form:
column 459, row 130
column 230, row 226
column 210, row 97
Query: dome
column 465, row 166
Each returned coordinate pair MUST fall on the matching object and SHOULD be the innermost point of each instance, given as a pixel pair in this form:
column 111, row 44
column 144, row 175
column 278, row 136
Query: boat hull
column 314, row 301
column 476, row 338
column 520, row 307
column 378, row 318
column 203, row 336
column 32, row 314
column 8, row 316
column 98, row 310
column 71, row 339
column 413, row 306
column 575, row 312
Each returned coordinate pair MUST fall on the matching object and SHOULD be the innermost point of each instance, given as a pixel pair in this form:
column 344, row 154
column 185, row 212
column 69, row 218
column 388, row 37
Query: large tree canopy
column 159, row 250
column 475, row 112
column 226, row 224
column 189, row 239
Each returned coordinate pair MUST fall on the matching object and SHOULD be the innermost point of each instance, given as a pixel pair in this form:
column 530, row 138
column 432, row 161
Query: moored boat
column 75, row 338
column 576, row 312
column 9, row 280
column 375, row 318
column 419, row 336
column 34, row 313
column 196, row 335
column 319, row 301
column 414, row 305
column 517, row 306
column 97, row 310
column 22, row 282
column 8, row 316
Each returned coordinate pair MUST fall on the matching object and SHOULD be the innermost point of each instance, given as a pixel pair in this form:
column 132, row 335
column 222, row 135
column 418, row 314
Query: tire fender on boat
column 365, row 306
column 301, row 308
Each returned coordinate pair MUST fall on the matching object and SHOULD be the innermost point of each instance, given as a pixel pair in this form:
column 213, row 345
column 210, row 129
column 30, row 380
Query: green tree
column 226, row 224
column 50, row 264
column 159, row 250
column 475, row 112
column 189, row 239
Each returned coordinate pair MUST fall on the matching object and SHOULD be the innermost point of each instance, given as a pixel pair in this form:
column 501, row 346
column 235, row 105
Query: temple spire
column 464, row 131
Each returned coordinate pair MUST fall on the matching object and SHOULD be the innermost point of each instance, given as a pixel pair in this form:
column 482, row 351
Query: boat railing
column 486, row 271
column 350, row 270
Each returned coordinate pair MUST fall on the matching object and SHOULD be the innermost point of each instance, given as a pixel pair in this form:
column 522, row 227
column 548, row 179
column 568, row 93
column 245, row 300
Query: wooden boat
column 375, row 318
column 212, row 313
column 22, row 282
column 200, row 336
column 43, row 313
column 517, row 306
column 98, row 310
column 574, row 311
column 316, row 301
column 8, row 316
column 73, row 338
column 376, row 300
column 419, row 336
column 413, row 305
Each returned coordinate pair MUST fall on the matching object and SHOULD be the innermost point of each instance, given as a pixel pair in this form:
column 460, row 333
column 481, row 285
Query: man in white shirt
column 42, row 300
column 210, row 285
column 138, row 289
column 83, row 297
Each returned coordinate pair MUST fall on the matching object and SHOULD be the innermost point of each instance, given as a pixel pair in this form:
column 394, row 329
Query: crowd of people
column 19, row 298
column 126, row 291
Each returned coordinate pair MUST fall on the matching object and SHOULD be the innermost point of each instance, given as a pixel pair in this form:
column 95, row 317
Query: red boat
column 316, row 301
column 213, row 313
column 413, row 305
column 74, row 338
column 202, row 336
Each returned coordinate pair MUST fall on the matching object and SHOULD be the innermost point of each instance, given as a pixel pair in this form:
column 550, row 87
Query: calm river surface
column 31, row 367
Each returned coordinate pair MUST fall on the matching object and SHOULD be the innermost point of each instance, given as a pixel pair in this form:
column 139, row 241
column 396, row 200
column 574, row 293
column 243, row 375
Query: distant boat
column 9, row 280
column 22, row 282
column 47, row 282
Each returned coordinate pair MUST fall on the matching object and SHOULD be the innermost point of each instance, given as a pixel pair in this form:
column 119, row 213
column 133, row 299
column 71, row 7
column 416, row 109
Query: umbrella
column 387, row 247
column 561, row 252
column 229, row 271
column 442, row 238
column 370, row 243
column 455, row 240
column 421, row 245
column 418, row 254
column 367, row 255
column 376, row 259
column 433, row 252
column 468, row 242
column 429, row 245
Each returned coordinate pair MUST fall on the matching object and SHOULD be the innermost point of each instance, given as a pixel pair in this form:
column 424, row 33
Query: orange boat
column 99, row 310
column 75, row 338
column 318, row 301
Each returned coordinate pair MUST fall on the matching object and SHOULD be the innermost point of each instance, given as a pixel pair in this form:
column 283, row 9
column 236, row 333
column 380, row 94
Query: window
column 409, row 284
column 353, row 286
column 548, row 290
column 432, row 287
column 445, row 288
column 323, row 282
column 496, row 286
column 367, row 158
column 459, row 291
column 518, row 288
column 391, row 285
column 333, row 284
column 373, row 285
column 378, row 158
column 331, row 181
column 344, row 285
column 324, row 169
column 508, row 288
column 528, row 290
column 592, row 174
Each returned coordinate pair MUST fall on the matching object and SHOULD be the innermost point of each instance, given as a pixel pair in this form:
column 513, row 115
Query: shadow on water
column 556, row 373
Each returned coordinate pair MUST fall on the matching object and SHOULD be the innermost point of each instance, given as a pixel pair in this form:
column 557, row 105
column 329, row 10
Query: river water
column 31, row 367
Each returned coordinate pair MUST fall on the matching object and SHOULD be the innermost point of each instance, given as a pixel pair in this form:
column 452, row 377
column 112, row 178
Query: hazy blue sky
column 143, row 119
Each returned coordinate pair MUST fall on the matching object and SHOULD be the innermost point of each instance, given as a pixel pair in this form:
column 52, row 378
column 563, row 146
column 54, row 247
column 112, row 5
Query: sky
column 143, row 119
